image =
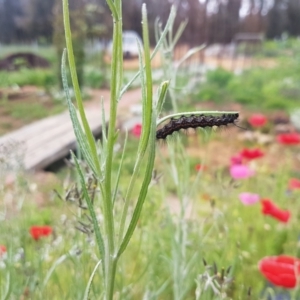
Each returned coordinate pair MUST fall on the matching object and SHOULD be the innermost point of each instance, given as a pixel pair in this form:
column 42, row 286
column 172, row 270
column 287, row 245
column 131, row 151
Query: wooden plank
column 58, row 142
column 51, row 139
column 36, row 128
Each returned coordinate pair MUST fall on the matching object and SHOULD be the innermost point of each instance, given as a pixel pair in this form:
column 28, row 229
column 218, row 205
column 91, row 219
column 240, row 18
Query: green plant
column 115, row 231
column 270, row 88
column 38, row 77
column 219, row 77
column 94, row 78
column 110, row 247
column 215, row 86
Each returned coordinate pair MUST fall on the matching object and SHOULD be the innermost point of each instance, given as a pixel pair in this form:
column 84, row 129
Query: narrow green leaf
column 120, row 169
column 116, row 79
column 104, row 137
column 149, row 131
column 157, row 47
column 53, row 267
column 90, row 206
column 81, row 139
column 162, row 93
column 189, row 54
column 89, row 135
column 143, row 86
column 7, row 291
column 178, row 34
column 147, row 115
column 149, row 84
column 143, row 191
column 88, row 287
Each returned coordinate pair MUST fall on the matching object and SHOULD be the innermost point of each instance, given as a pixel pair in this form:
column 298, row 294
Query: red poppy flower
column 200, row 167
column 257, row 120
column 2, row 250
column 137, row 130
column 292, row 138
column 281, row 270
column 294, row 184
column 40, row 231
column 269, row 208
column 250, row 154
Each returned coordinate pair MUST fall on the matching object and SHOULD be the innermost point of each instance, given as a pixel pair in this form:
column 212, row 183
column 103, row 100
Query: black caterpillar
column 195, row 122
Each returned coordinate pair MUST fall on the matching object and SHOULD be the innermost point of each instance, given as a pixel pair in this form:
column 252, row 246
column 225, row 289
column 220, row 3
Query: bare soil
column 225, row 61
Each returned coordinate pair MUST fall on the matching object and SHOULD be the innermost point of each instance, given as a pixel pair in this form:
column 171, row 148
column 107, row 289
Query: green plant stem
column 111, row 278
column 116, row 74
column 140, row 153
column 147, row 118
column 147, row 142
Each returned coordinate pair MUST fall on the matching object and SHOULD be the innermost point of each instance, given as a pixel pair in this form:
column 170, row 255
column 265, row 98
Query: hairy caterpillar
column 192, row 121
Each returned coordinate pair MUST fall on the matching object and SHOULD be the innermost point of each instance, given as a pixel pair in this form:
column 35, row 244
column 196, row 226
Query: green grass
column 37, row 77
column 228, row 234
column 31, row 112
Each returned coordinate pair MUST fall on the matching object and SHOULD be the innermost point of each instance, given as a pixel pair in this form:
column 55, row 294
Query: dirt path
column 28, row 104
column 129, row 99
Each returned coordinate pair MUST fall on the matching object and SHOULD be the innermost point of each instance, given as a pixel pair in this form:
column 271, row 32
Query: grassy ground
column 216, row 226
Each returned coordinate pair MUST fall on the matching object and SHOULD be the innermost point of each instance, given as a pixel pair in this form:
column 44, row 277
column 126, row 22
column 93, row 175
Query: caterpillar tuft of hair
column 192, row 121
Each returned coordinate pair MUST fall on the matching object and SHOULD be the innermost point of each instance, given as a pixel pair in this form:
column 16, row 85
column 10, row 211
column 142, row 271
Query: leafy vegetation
column 221, row 230
column 37, row 77
column 275, row 88
column 271, row 88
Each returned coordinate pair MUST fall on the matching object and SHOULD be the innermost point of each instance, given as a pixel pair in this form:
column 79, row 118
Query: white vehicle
column 130, row 44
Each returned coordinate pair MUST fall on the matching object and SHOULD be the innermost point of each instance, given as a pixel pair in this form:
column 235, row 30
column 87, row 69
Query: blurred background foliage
column 208, row 21
column 36, row 26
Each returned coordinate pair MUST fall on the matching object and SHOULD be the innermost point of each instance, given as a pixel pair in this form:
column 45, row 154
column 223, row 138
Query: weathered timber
column 48, row 140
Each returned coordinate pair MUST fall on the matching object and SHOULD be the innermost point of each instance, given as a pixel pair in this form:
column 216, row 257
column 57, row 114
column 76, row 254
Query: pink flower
column 199, row 167
column 257, row 120
column 137, row 130
column 294, row 184
column 241, row 172
column 248, row 198
column 236, row 159
column 3, row 250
